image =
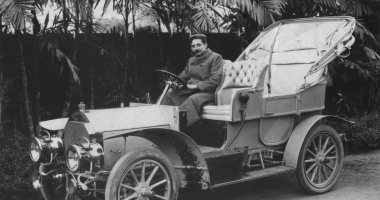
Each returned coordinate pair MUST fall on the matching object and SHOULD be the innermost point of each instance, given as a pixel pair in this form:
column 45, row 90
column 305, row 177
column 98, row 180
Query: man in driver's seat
column 202, row 74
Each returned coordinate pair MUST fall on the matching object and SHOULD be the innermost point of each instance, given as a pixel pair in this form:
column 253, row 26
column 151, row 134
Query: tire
column 320, row 160
column 142, row 173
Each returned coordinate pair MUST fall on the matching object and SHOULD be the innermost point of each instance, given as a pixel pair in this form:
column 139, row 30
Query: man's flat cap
column 197, row 36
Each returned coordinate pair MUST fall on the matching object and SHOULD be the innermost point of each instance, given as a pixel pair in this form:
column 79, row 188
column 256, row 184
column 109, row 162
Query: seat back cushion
column 239, row 74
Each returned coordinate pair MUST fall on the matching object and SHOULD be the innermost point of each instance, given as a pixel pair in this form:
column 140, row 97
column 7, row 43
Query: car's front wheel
column 320, row 160
column 142, row 174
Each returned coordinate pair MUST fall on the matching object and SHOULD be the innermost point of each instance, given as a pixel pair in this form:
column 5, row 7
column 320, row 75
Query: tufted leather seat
column 236, row 76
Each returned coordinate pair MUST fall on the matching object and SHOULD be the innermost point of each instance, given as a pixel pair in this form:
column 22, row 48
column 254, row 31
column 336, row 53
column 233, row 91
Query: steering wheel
column 174, row 81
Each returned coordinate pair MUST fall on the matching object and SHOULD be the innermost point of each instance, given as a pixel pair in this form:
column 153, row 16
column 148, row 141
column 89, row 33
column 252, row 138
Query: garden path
column 360, row 179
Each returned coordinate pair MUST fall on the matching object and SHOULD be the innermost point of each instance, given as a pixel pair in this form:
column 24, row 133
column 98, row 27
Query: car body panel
column 184, row 154
column 129, row 118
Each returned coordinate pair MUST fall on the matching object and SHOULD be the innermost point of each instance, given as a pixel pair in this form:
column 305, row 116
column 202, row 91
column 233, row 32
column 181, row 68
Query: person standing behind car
column 203, row 74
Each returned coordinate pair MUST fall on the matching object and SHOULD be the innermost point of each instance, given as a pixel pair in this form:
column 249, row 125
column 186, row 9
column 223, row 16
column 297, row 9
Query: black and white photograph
column 189, row 99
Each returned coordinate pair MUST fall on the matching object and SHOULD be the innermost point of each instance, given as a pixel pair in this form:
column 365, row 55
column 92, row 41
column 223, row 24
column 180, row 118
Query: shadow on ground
column 359, row 180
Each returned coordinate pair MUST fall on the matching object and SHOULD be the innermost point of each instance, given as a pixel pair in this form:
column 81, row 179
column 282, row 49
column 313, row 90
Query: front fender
column 298, row 135
column 183, row 153
column 55, row 124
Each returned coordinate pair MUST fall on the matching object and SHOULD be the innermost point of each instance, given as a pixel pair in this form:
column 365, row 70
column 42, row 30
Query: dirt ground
column 360, row 179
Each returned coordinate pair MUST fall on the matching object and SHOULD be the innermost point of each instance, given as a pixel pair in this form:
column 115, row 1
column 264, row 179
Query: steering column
column 171, row 81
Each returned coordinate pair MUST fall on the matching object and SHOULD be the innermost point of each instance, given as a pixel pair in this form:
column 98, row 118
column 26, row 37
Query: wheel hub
column 325, row 160
column 145, row 179
column 321, row 159
column 143, row 191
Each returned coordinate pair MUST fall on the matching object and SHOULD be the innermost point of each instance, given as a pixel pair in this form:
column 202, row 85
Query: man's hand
column 176, row 86
column 190, row 86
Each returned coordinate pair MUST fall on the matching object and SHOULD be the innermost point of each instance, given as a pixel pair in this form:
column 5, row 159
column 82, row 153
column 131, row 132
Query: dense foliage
column 363, row 135
column 16, row 168
column 46, row 73
column 110, row 67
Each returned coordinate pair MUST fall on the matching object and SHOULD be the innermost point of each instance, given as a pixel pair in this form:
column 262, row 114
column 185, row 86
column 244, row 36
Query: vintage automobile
column 267, row 120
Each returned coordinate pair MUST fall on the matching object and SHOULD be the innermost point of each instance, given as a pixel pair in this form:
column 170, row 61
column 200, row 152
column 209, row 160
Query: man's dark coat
column 205, row 71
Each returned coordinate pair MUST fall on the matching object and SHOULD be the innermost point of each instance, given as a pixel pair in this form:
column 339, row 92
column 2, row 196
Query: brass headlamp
column 84, row 156
column 46, row 148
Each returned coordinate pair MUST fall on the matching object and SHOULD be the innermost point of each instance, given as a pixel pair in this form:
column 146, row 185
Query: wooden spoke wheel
column 320, row 160
column 142, row 175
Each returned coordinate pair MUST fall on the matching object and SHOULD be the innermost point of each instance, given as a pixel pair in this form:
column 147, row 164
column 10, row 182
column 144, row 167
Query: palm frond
column 147, row 11
column 362, row 31
column 329, row 3
column 205, row 16
column 50, row 46
column 361, row 8
column 17, row 12
column 364, row 69
column 261, row 11
column 371, row 53
column 73, row 6
column 163, row 11
column 343, row 4
column 335, row 73
column 105, row 7
column 202, row 19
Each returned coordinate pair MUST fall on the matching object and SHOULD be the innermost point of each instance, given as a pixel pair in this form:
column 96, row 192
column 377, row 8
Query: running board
column 256, row 174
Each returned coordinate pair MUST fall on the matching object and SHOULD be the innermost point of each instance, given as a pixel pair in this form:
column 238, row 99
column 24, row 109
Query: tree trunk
column 177, row 24
column 37, row 104
column 22, row 120
column 369, row 96
column 126, row 45
column 66, row 105
column 70, row 87
column 376, row 99
column 92, row 98
column 361, row 101
column 134, row 43
column 64, row 17
column 20, row 60
column 68, row 96
column 37, row 97
column 36, row 24
column 1, row 76
column 160, row 44
column 91, row 67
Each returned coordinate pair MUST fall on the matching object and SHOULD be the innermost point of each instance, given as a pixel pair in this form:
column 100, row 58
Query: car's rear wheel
column 142, row 174
column 320, row 160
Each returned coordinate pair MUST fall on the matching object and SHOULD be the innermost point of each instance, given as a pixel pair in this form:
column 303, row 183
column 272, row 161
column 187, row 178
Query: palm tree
column 37, row 104
column 77, row 7
column 126, row 8
column 264, row 12
column 1, row 74
column 78, row 11
column 18, row 12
